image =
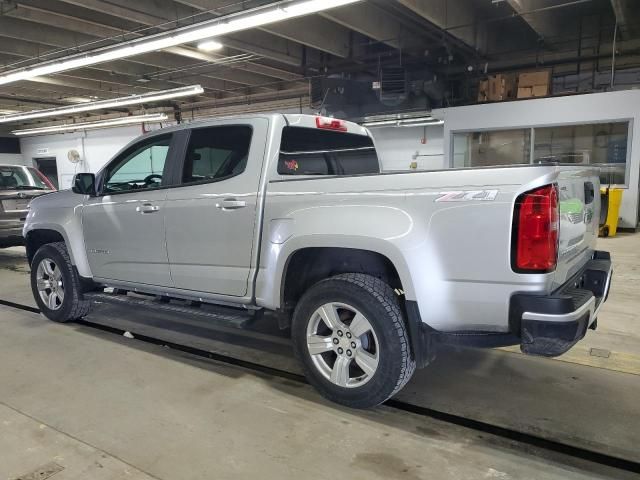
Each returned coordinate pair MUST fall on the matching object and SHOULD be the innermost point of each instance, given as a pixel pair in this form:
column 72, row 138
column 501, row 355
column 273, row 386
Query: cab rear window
column 308, row 151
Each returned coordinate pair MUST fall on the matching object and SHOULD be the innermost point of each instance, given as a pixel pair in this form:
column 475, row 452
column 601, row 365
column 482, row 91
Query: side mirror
column 84, row 184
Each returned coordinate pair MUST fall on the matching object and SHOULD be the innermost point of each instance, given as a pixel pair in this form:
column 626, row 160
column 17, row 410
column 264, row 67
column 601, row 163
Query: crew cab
column 370, row 270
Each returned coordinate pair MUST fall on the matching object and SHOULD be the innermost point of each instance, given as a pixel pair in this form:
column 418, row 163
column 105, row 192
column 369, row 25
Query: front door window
column 139, row 168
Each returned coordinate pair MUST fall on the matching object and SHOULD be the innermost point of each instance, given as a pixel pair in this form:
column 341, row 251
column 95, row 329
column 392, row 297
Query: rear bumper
column 546, row 325
column 550, row 325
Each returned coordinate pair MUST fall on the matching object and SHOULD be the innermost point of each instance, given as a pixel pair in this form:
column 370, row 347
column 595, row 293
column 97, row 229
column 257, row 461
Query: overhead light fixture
column 265, row 15
column 210, row 45
column 104, row 104
column 114, row 122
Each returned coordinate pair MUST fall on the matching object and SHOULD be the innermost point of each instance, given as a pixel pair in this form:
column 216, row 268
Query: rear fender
column 347, row 226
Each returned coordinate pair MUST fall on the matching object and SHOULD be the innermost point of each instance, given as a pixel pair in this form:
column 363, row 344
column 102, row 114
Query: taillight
column 535, row 231
column 328, row 123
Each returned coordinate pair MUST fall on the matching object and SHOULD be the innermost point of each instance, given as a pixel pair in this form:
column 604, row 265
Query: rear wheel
column 55, row 284
column 349, row 333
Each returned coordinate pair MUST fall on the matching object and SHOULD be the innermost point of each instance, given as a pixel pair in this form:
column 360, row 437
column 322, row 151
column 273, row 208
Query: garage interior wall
column 620, row 106
column 11, row 159
column 398, row 147
column 96, row 147
column 10, row 151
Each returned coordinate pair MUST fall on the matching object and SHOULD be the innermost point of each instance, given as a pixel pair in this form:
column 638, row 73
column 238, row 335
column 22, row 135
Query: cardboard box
column 534, row 84
column 502, row 87
column 483, row 91
column 534, row 79
column 540, row 90
column 533, row 92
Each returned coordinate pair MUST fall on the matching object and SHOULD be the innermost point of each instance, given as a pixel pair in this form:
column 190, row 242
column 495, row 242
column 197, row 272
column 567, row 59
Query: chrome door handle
column 147, row 208
column 231, row 204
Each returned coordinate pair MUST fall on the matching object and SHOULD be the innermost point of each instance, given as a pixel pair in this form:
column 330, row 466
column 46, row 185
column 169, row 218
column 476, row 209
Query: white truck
column 371, row 270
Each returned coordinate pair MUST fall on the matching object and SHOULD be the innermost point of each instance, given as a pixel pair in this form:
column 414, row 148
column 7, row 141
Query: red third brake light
column 329, row 123
column 536, row 231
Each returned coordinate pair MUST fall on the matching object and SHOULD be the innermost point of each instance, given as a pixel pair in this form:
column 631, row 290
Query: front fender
column 62, row 213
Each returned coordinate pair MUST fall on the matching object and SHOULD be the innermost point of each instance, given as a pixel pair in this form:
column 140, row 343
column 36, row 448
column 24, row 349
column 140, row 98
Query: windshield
column 23, row 178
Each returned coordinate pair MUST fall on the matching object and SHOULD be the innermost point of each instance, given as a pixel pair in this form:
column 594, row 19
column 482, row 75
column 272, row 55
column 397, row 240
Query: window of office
column 491, row 148
column 600, row 144
column 216, row 153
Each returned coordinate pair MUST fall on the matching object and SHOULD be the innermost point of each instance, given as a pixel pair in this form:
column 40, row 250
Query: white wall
column 399, row 146
column 12, row 159
column 592, row 108
column 96, row 147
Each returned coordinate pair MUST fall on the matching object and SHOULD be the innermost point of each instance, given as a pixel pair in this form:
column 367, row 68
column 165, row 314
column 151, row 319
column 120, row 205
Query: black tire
column 376, row 301
column 73, row 306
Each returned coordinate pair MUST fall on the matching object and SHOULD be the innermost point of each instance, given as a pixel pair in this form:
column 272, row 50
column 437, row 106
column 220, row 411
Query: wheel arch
column 307, row 266
column 38, row 234
column 38, row 237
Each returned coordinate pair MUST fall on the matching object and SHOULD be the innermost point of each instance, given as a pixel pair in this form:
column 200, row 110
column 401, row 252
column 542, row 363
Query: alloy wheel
column 50, row 284
column 343, row 345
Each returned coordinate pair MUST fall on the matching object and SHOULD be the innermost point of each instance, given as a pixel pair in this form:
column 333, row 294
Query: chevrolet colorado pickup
column 370, row 270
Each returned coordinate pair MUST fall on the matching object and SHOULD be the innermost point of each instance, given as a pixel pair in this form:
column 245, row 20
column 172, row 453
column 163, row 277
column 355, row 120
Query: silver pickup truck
column 370, row 270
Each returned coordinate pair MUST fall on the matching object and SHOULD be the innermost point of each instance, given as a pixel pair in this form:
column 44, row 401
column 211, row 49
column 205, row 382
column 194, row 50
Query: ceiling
column 271, row 67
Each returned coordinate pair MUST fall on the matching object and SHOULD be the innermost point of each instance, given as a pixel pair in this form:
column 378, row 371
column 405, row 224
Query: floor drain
column 599, row 352
column 46, row 471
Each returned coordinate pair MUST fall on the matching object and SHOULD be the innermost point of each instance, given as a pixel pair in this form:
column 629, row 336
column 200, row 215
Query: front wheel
column 55, row 284
column 349, row 333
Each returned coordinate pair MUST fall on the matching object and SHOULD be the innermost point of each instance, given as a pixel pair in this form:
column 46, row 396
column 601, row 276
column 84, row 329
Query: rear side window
column 216, row 153
column 308, row 151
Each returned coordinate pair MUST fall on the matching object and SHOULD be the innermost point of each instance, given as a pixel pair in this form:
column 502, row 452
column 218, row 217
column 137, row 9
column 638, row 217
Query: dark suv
column 18, row 185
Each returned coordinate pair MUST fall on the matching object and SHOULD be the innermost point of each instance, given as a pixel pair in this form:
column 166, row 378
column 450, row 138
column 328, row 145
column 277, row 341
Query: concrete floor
column 102, row 406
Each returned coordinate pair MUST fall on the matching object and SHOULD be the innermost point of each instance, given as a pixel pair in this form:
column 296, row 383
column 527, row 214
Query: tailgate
column 579, row 194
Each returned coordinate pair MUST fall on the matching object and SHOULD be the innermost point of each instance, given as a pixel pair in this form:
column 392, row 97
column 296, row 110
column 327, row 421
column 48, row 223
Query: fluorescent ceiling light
column 407, row 122
column 210, row 45
column 103, row 104
column 114, row 122
column 226, row 24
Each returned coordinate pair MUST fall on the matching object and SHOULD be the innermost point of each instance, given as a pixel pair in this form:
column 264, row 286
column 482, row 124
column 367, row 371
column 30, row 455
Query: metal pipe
column 521, row 14
column 613, row 55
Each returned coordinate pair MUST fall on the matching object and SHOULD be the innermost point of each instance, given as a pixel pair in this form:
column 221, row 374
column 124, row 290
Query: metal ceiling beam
column 119, row 72
column 21, row 29
column 457, row 17
column 315, row 32
column 312, row 31
column 261, row 43
column 628, row 16
column 371, row 22
column 276, row 73
column 36, row 11
column 546, row 24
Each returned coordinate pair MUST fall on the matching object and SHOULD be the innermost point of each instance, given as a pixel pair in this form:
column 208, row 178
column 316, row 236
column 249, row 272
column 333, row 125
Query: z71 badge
column 468, row 196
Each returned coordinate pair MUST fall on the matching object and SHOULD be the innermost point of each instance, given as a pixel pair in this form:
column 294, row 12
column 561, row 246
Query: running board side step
column 236, row 317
